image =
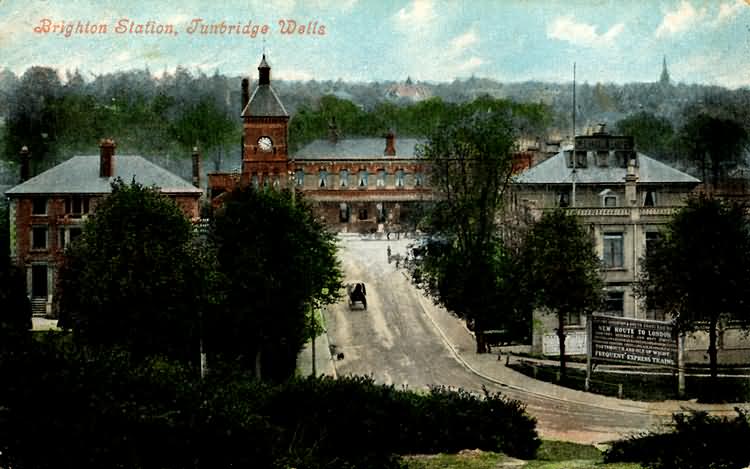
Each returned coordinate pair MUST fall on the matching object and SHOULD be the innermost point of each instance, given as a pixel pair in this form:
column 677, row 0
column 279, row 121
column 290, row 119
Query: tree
column 716, row 144
column 698, row 271
column 134, row 277
column 653, row 135
column 15, row 307
column 470, row 163
column 278, row 263
column 562, row 270
column 206, row 125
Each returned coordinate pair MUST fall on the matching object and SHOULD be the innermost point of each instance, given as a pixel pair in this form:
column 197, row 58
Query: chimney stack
column 245, row 93
column 106, row 158
column 631, row 179
column 196, row 168
column 390, row 144
column 25, row 163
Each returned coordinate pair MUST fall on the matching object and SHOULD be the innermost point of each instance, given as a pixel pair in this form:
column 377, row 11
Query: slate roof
column 356, row 149
column 80, row 175
column 556, row 171
column 264, row 103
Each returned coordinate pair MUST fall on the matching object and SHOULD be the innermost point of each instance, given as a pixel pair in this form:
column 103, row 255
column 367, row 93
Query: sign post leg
column 589, row 351
column 681, row 365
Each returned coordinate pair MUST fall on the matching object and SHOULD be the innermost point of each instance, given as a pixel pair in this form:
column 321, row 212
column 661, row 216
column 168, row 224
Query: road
column 400, row 340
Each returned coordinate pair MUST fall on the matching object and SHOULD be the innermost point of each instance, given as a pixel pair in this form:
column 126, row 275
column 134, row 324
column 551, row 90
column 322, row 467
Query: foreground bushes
column 100, row 409
column 699, row 441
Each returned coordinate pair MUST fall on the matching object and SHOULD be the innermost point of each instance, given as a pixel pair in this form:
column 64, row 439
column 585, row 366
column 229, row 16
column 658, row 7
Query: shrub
column 104, row 408
column 698, row 441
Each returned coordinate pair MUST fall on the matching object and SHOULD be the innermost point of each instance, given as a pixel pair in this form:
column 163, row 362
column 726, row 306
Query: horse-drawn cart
column 357, row 294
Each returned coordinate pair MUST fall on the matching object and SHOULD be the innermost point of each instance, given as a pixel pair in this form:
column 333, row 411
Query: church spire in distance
column 664, row 79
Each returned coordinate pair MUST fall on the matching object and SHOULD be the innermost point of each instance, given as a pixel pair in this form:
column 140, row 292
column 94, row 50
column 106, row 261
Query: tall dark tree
column 278, row 262
column 15, row 308
column 715, row 144
column 654, row 135
column 134, row 277
column 562, row 270
column 471, row 163
column 698, row 271
column 206, row 125
column 31, row 121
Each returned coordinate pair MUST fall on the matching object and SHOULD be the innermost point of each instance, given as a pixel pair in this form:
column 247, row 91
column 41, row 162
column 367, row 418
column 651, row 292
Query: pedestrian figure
column 388, row 250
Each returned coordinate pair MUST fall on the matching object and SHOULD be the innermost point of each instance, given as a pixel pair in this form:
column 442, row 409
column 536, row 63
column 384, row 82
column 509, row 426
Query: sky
column 619, row 41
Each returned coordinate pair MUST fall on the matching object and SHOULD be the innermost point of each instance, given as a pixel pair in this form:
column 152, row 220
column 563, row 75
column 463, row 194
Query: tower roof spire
column 264, row 72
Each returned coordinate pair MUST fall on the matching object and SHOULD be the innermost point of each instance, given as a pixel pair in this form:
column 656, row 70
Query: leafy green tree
column 31, row 121
column 470, row 163
column 15, row 308
column 698, row 271
column 278, row 263
column 562, row 270
column 206, row 125
column 716, row 144
column 135, row 277
column 654, row 135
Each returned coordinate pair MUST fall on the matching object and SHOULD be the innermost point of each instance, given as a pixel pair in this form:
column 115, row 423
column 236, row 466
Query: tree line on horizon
column 164, row 117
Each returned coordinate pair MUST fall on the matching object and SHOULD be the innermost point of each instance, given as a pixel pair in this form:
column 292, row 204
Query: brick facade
column 45, row 215
column 328, row 176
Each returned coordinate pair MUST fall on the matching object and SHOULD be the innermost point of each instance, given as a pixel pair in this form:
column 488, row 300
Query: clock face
column 265, row 144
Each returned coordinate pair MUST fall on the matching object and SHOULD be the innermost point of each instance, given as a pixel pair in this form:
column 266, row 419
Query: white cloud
column 419, row 14
column 462, row 43
column 729, row 11
column 566, row 28
column 681, row 19
column 469, row 66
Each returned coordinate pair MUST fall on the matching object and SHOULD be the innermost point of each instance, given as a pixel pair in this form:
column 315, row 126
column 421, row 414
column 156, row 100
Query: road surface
column 400, row 339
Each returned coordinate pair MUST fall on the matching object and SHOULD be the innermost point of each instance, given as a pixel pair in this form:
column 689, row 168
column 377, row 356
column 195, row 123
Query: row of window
column 40, row 236
column 607, row 198
column 75, row 205
column 362, row 179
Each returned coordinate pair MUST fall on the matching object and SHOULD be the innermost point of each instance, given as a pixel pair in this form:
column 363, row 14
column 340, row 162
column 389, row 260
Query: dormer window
column 623, row 157
column 569, row 158
column 602, row 159
column 580, row 159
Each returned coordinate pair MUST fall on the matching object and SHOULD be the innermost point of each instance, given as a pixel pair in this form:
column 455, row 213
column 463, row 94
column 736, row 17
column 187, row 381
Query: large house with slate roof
column 354, row 184
column 48, row 211
column 624, row 197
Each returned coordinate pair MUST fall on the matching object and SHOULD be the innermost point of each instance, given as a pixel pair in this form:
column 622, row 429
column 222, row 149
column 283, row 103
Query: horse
column 358, row 293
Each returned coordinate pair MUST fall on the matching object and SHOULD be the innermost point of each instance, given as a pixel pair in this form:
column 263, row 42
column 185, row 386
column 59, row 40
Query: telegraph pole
column 574, row 156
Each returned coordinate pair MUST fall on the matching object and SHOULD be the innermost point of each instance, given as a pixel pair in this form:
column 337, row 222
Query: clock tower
column 265, row 132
